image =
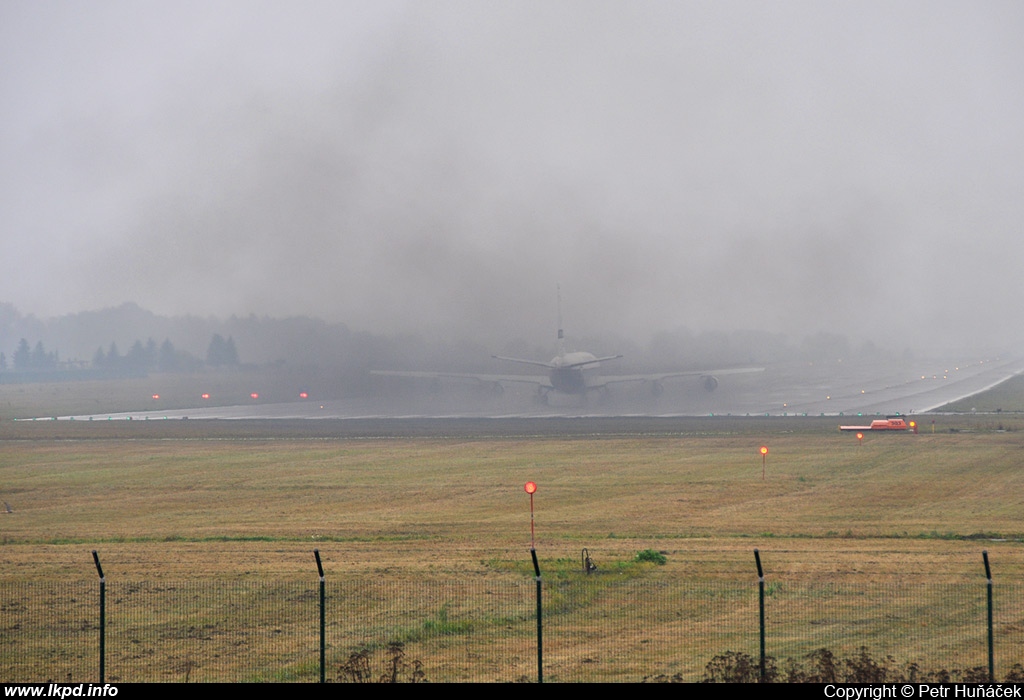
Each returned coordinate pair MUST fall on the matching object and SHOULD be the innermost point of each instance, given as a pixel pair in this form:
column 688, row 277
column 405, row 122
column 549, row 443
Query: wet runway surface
column 794, row 389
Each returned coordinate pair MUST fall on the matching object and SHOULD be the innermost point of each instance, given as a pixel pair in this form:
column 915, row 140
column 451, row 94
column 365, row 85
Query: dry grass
column 199, row 503
column 457, row 502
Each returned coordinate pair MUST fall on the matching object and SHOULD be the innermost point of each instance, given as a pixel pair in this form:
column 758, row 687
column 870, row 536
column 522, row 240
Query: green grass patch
column 651, row 555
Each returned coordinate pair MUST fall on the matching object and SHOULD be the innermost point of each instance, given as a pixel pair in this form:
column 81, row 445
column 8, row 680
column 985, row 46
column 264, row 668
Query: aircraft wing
column 481, row 378
column 593, row 382
column 620, row 378
column 590, row 360
column 709, row 377
column 536, row 363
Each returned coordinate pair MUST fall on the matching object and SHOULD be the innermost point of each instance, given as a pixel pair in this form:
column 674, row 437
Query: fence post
column 540, row 624
column 760, row 592
column 103, row 616
column 323, row 646
column 991, row 640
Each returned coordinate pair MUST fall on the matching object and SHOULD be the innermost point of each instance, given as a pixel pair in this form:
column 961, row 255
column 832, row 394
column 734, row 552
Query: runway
column 799, row 388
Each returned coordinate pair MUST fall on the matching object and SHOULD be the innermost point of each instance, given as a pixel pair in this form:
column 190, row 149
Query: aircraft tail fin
column 561, row 333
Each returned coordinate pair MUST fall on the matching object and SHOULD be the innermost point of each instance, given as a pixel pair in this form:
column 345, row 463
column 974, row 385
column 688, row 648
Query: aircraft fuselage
column 567, row 372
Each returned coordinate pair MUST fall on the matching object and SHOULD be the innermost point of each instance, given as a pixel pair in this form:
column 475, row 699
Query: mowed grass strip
column 463, row 499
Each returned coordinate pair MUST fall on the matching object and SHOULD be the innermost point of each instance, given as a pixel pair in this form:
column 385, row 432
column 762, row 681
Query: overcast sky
column 849, row 167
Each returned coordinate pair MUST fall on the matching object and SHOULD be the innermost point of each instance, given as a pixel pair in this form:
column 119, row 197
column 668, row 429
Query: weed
column 395, row 669
column 822, row 666
column 653, row 556
column 357, row 668
column 737, row 667
column 863, row 669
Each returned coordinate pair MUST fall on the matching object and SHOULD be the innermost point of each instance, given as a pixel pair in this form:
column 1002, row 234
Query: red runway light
column 205, row 396
column 530, row 487
column 303, row 395
column 156, row 396
column 254, row 395
column 764, row 450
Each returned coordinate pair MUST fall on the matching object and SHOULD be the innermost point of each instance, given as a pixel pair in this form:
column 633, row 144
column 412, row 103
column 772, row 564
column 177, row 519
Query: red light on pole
column 764, row 458
column 860, row 437
column 531, row 488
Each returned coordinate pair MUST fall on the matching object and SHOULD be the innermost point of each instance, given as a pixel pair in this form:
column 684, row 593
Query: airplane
column 570, row 373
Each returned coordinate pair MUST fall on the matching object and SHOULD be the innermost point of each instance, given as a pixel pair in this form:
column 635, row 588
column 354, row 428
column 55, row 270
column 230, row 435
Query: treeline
column 147, row 357
column 140, row 359
column 34, row 359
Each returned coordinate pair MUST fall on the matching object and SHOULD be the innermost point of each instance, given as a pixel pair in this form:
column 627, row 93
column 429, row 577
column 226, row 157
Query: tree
column 221, row 352
column 38, row 356
column 215, row 351
column 136, row 357
column 168, row 359
column 230, row 353
column 23, row 356
column 113, row 356
column 42, row 359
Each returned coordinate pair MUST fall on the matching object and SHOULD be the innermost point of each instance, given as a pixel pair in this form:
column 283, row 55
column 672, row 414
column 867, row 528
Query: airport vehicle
column 891, row 423
column 572, row 373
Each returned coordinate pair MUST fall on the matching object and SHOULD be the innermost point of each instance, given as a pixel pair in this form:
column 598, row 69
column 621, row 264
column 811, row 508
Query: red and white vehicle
column 891, row 423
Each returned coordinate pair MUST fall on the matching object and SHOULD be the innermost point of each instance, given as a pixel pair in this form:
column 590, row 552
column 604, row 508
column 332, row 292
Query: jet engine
column 710, row 383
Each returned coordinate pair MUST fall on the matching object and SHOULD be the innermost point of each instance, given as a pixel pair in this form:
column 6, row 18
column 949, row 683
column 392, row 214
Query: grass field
column 224, row 388
column 1007, row 397
column 462, row 501
column 196, row 501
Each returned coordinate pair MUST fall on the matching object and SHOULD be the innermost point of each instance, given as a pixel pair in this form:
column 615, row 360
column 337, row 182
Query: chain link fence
column 595, row 628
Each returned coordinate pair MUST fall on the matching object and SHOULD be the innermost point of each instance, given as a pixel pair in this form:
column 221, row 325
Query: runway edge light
column 531, row 488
